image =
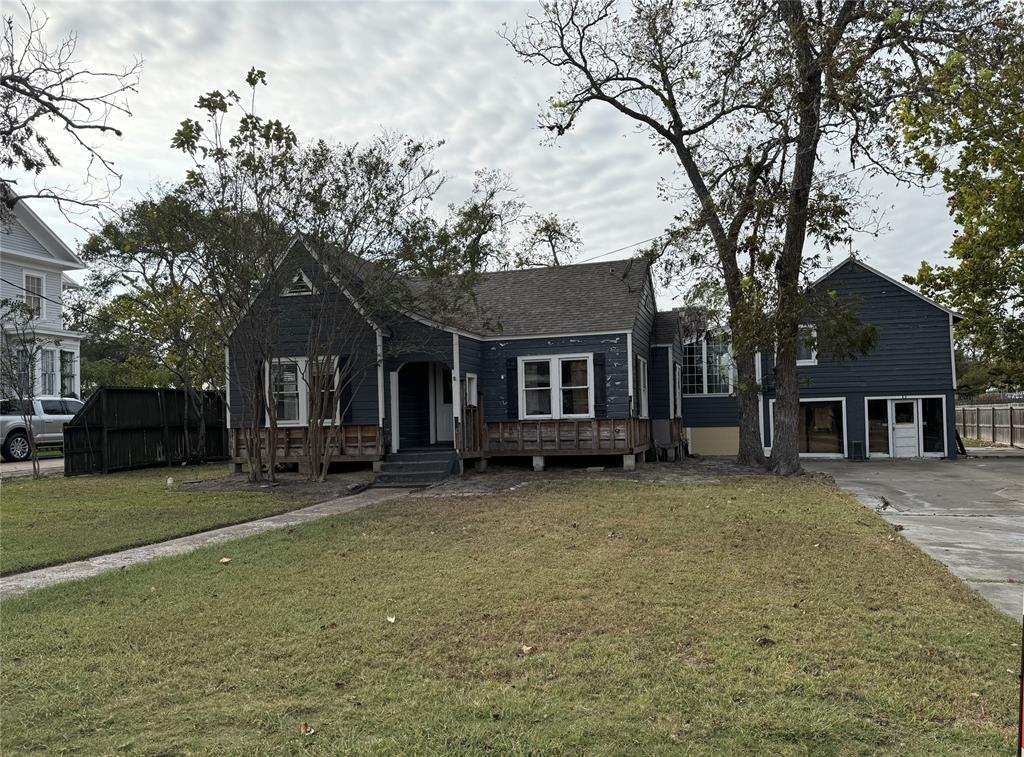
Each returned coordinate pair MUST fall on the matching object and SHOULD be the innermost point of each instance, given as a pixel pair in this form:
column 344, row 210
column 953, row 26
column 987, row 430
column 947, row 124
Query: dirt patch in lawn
column 509, row 475
column 290, row 484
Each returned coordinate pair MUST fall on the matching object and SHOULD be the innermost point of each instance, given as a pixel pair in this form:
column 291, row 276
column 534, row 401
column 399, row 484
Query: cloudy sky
column 430, row 69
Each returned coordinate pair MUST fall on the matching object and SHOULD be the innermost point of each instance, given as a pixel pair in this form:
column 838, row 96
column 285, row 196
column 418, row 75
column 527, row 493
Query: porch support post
column 236, row 468
column 480, row 465
column 629, row 462
column 538, row 463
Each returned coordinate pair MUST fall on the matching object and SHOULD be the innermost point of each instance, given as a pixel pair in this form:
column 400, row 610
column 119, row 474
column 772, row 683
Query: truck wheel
column 16, row 449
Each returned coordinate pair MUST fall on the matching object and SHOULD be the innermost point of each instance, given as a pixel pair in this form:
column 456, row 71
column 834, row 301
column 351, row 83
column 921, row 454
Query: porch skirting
column 348, row 443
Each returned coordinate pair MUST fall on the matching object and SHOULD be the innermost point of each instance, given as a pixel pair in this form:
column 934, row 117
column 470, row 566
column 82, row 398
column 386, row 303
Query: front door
column 905, row 428
column 442, row 410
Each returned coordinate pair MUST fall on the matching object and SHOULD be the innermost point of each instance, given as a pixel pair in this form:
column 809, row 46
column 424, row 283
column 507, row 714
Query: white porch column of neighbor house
column 629, row 462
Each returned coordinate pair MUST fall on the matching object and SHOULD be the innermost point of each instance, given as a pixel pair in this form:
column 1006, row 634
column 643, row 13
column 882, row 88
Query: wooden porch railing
column 470, row 436
column 568, row 437
column 348, row 442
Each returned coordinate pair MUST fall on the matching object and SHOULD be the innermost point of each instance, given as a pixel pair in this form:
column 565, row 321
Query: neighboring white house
column 33, row 261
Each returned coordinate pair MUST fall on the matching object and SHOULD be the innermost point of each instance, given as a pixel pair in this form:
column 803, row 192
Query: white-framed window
column 300, row 286
column 708, row 366
column 677, row 395
column 34, row 285
column 559, row 386
column 291, row 382
column 48, row 373
column 68, row 382
column 642, row 406
column 469, row 390
column 807, row 346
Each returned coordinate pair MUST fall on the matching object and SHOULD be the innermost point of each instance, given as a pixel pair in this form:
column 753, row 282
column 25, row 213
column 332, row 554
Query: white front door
column 905, row 440
column 442, row 412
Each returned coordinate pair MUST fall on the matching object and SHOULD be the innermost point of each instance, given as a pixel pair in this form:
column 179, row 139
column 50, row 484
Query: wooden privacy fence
column 999, row 424
column 121, row 428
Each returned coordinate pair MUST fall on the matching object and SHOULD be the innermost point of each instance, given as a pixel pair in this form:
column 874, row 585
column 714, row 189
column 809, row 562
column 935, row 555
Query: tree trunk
column 751, row 452
column 785, row 459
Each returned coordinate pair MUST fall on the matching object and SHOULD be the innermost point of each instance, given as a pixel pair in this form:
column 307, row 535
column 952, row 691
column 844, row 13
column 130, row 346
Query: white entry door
column 905, row 439
column 442, row 410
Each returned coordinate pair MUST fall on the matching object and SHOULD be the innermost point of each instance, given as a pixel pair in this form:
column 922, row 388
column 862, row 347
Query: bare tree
column 20, row 350
column 548, row 241
column 752, row 99
column 46, row 91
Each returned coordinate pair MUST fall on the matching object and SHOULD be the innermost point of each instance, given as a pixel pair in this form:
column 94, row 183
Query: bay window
column 561, row 386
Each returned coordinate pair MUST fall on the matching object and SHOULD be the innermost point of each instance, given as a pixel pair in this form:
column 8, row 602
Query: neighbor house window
column 25, row 371
column 67, row 373
column 641, row 387
column 49, row 371
column 807, row 346
column 708, row 366
column 34, row 287
column 557, row 387
column 284, row 383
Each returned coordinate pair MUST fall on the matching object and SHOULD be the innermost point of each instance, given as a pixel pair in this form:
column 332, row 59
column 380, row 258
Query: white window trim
column 54, row 389
column 303, row 371
column 916, row 398
column 678, row 389
column 41, row 275
column 305, row 280
column 812, row 455
column 813, row 359
column 554, row 362
column 472, row 390
column 643, row 405
column 704, row 372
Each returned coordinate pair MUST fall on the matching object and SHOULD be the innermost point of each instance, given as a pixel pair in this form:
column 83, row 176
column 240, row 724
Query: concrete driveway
column 49, row 466
column 968, row 514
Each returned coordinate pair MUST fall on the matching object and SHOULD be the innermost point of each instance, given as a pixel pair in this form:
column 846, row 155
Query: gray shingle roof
column 666, row 327
column 571, row 299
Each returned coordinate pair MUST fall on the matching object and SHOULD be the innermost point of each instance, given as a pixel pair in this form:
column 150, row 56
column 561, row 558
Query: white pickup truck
column 47, row 416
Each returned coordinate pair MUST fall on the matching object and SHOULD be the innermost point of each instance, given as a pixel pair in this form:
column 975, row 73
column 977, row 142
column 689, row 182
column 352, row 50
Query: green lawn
column 55, row 519
column 751, row 616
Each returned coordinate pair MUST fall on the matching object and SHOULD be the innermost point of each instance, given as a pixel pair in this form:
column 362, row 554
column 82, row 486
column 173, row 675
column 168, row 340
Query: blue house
column 897, row 401
column 572, row 360
column 547, row 362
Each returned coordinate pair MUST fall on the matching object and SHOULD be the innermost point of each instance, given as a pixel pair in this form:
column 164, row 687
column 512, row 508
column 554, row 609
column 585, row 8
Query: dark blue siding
column 710, row 412
column 495, row 354
column 658, row 370
column 293, row 334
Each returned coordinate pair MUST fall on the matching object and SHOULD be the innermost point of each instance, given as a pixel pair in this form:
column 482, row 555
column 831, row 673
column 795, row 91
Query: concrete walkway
column 11, row 586
column 968, row 514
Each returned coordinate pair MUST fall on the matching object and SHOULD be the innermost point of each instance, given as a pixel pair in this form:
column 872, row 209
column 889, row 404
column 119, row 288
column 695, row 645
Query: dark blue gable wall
column 495, row 354
column 658, row 370
column 291, row 334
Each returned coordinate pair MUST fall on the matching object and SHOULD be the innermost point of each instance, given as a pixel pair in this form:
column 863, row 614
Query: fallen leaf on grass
column 764, row 641
column 526, row 650
column 306, row 729
column 225, row 560
column 390, row 618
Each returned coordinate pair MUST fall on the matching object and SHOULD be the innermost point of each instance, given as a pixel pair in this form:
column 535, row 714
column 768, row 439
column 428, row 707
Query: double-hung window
column 285, row 379
column 49, row 371
column 67, row 373
column 708, row 366
column 641, row 388
column 807, row 347
column 34, row 285
column 561, row 386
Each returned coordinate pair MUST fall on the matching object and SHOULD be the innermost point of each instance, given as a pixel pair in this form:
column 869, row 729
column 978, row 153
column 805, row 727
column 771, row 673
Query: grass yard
column 56, row 519
column 754, row 615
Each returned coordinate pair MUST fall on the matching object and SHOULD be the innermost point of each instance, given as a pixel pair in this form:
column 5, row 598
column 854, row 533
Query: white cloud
column 434, row 70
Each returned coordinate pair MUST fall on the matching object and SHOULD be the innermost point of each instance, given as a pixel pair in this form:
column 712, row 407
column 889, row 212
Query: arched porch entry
column 422, row 407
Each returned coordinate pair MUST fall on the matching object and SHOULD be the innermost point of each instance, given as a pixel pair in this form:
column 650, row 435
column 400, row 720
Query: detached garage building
column 898, row 401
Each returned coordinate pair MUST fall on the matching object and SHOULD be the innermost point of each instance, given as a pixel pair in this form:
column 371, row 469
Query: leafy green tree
column 971, row 132
column 758, row 102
